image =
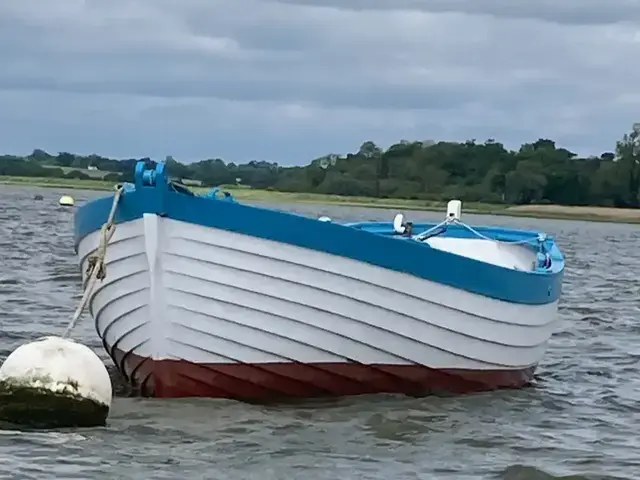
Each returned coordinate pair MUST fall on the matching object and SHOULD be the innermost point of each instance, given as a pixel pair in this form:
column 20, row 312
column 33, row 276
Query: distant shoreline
column 561, row 212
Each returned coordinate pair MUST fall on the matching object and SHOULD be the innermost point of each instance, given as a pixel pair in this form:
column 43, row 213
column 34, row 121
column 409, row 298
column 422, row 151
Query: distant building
column 92, row 167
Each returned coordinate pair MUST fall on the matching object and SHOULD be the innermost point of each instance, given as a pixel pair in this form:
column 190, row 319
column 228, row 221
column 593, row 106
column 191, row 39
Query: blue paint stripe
column 381, row 250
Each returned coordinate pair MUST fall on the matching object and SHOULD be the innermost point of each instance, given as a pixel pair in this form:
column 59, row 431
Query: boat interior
column 513, row 249
column 507, row 248
column 517, row 256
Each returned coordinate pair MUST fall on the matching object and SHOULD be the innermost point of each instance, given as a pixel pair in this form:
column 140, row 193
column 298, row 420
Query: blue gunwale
column 370, row 242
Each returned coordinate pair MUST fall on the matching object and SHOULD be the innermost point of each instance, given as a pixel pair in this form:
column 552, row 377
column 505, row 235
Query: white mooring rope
column 96, row 266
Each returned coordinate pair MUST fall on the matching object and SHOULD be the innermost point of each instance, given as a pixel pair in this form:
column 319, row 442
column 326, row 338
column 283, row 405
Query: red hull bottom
column 273, row 381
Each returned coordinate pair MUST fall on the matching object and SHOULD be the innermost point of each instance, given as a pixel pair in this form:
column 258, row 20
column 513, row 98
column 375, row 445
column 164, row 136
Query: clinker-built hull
column 207, row 309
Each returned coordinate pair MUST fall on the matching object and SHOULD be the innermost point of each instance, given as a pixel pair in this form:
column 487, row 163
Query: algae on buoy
column 66, row 201
column 54, row 383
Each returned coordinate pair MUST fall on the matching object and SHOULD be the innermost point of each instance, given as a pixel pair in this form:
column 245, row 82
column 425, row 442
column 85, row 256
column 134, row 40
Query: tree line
column 538, row 172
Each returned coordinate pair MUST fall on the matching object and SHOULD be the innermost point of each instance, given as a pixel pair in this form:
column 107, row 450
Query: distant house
column 92, row 167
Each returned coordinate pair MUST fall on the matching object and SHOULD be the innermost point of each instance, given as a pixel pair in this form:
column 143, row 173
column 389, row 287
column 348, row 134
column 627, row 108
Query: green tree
column 539, row 171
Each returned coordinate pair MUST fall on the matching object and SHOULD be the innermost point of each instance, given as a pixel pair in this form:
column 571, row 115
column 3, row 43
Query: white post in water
column 54, row 382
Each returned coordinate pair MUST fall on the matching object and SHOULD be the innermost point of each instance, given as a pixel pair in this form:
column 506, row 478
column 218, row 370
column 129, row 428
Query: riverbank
column 52, row 182
column 602, row 214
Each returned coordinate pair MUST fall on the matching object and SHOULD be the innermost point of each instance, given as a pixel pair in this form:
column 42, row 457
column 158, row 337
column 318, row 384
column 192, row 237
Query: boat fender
column 543, row 260
column 54, row 382
column 399, row 224
column 454, row 209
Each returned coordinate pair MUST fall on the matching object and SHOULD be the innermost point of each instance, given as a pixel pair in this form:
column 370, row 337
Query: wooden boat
column 206, row 296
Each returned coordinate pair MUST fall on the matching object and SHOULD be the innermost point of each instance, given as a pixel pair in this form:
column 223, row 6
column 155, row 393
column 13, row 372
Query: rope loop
column 96, row 265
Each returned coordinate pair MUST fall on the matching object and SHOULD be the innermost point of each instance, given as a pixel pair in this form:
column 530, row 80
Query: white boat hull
column 188, row 310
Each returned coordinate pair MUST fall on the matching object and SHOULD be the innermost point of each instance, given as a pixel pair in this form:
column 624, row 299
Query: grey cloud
column 348, row 73
column 397, row 65
column 365, row 97
column 576, row 12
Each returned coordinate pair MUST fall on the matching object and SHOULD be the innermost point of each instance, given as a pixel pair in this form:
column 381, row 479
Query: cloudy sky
column 290, row 80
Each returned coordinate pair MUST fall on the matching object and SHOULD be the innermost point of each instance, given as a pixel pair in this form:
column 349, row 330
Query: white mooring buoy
column 54, row 382
column 66, row 201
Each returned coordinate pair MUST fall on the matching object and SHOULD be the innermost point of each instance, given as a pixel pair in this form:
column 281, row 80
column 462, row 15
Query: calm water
column 581, row 418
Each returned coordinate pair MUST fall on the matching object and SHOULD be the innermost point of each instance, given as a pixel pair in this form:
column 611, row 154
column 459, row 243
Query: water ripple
column 579, row 421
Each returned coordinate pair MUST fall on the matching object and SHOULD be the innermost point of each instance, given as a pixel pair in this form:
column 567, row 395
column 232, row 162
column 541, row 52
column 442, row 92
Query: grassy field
column 628, row 215
column 94, row 174
column 244, row 193
column 48, row 182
